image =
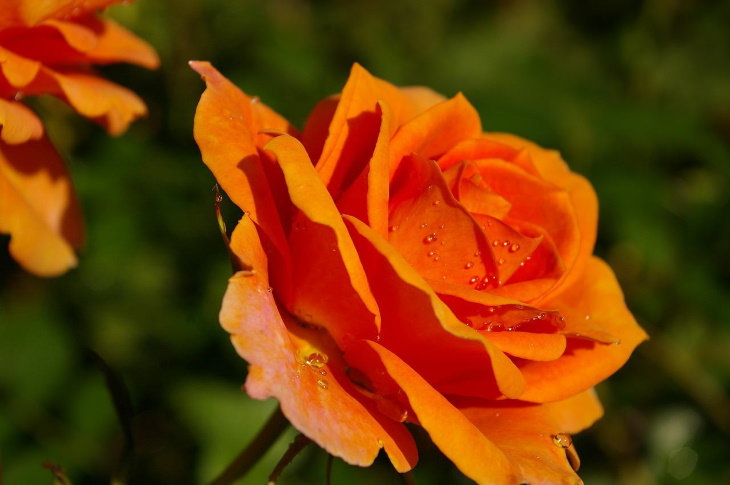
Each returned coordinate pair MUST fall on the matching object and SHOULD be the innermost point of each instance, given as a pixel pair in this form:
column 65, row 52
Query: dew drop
column 430, row 238
column 501, row 261
column 430, row 187
column 436, row 258
column 505, row 243
column 494, row 326
column 587, row 317
column 562, row 440
column 316, row 360
column 477, row 253
column 469, row 264
column 436, row 202
column 424, row 225
column 522, row 263
column 323, row 372
column 495, row 243
column 432, row 253
column 514, row 248
column 393, row 228
column 473, row 279
column 322, row 384
column 442, row 226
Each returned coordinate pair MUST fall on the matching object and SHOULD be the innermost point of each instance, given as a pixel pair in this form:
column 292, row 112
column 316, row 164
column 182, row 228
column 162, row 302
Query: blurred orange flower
column 50, row 48
column 400, row 265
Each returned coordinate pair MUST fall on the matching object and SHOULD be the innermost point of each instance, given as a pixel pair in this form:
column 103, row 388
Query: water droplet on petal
column 322, row 384
column 501, row 261
column 424, row 225
column 469, row 264
column 495, row 243
column 505, row 243
column 316, row 360
column 323, row 372
column 587, row 317
column 473, row 279
column 442, row 226
column 436, row 258
column 436, row 202
column 477, row 253
column 430, row 238
column 432, row 253
column 393, row 228
column 514, row 248
column 562, row 440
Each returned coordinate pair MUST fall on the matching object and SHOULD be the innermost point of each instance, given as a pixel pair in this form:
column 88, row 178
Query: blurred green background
column 635, row 94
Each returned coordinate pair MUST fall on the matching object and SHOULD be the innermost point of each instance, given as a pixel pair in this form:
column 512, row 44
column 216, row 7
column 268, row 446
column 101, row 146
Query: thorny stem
column 296, row 446
column 250, row 455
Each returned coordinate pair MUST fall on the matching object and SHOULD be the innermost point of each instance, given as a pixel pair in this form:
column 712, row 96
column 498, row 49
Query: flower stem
column 299, row 443
column 248, row 457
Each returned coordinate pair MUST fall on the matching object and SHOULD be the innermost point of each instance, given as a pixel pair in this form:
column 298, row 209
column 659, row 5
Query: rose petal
column 414, row 319
column 433, row 132
column 585, row 363
column 354, row 127
column 525, row 433
column 24, row 14
column 38, row 208
column 226, row 122
column 19, row 124
column 318, row 399
column 464, row 444
column 17, row 70
column 432, row 231
column 527, row 345
column 323, row 255
column 367, row 197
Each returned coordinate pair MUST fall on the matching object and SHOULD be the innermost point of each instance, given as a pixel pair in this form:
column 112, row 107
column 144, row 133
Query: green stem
column 299, row 443
column 408, row 478
column 248, row 457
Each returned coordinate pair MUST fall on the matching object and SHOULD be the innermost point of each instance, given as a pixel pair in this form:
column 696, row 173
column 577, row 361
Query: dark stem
column 328, row 475
column 250, row 455
column 299, row 443
column 408, row 478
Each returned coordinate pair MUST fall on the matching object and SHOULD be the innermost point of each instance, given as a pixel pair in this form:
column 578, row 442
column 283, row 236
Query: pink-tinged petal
column 367, row 198
column 38, row 208
column 414, row 319
column 598, row 296
column 434, row 132
column 315, row 394
column 462, row 442
column 323, row 255
column 535, row 438
column 433, row 232
column 19, row 124
column 226, row 126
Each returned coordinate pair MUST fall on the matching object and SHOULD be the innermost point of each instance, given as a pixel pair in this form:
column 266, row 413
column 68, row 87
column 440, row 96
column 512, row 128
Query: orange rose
column 400, row 265
column 49, row 48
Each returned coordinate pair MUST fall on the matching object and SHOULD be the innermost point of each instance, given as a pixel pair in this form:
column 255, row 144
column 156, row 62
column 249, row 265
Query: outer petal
column 38, row 208
column 19, row 124
column 525, row 433
column 226, row 124
column 323, row 255
column 318, row 399
column 585, row 362
column 462, row 442
column 114, row 43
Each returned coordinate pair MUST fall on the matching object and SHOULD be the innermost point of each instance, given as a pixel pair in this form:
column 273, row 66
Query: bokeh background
column 635, row 94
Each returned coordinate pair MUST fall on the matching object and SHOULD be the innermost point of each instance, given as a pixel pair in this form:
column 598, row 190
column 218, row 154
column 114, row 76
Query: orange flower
column 49, row 48
column 400, row 265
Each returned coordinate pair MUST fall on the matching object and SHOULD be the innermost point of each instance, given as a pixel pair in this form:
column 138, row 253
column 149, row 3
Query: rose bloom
column 399, row 265
column 49, row 47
